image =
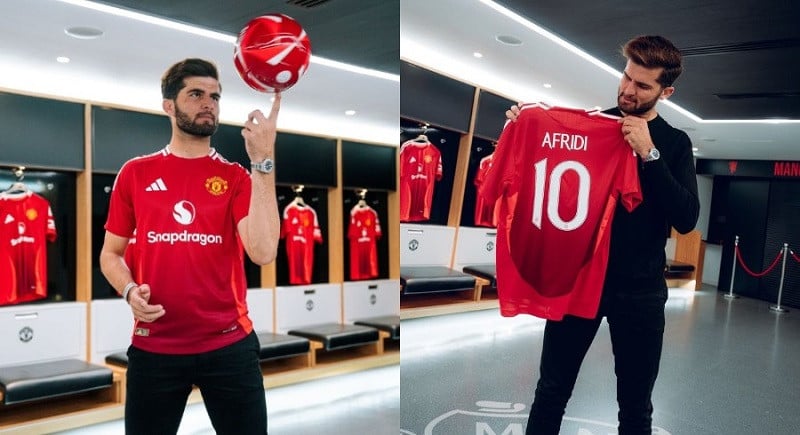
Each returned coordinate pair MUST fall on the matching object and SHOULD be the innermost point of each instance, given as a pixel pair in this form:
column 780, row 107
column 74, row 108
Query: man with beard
column 194, row 214
column 634, row 291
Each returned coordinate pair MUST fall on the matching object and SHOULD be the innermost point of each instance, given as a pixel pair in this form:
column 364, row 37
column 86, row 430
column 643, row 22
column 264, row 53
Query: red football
column 272, row 53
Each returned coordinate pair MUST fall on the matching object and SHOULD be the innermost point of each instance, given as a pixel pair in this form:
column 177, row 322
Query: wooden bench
column 330, row 337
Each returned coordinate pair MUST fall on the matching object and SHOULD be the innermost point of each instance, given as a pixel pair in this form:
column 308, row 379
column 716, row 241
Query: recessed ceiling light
column 62, row 59
column 477, row 54
column 508, row 40
column 547, row 85
column 695, row 149
column 83, row 32
column 350, row 112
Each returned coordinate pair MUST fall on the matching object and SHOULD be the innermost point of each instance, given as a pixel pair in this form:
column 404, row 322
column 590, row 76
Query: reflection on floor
column 366, row 402
column 729, row 367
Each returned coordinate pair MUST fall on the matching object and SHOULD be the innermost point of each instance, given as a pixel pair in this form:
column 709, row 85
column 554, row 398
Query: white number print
column 541, row 179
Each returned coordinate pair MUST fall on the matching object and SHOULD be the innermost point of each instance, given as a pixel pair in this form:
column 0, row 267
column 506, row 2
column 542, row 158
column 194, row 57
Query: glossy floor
column 367, row 402
column 728, row 368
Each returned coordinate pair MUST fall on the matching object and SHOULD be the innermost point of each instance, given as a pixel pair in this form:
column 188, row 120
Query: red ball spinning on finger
column 272, row 53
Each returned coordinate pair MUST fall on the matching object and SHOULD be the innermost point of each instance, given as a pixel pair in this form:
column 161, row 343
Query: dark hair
column 652, row 51
column 173, row 80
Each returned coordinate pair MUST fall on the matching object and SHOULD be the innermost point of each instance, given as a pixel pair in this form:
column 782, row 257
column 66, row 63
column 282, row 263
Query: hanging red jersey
column 300, row 229
column 420, row 168
column 363, row 232
column 184, row 214
column 485, row 215
column 27, row 225
column 559, row 173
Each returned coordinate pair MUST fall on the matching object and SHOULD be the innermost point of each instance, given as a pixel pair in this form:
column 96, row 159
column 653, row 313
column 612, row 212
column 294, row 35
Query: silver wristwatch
column 267, row 166
column 652, row 156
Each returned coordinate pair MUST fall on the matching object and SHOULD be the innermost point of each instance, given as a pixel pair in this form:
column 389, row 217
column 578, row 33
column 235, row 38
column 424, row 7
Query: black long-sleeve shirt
column 669, row 190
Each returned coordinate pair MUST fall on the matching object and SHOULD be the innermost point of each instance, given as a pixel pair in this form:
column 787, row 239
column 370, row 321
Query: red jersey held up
column 27, row 224
column 363, row 232
column 185, row 214
column 420, row 168
column 559, row 174
column 301, row 229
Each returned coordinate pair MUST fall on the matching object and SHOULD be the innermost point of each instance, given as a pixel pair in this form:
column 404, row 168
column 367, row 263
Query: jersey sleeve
column 51, row 225
column 241, row 195
column 500, row 178
column 377, row 226
column 630, row 189
column 121, row 220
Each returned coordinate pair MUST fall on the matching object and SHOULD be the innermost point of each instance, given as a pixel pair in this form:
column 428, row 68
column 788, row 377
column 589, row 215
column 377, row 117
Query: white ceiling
column 442, row 36
column 123, row 68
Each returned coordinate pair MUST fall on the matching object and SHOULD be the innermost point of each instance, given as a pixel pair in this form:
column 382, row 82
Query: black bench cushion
column 31, row 382
column 678, row 267
column 275, row 346
column 434, row 279
column 118, row 359
column 485, row 271
column 338, row 336
column 390, row 324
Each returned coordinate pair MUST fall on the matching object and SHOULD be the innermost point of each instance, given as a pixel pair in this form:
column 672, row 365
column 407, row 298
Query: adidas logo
column 9, row 219
column 156, row 186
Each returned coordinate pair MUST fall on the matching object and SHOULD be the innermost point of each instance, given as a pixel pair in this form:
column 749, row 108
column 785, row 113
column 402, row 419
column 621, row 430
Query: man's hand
column 259, row 132
column 513, row 112
column 637, row 134
column 138, row 299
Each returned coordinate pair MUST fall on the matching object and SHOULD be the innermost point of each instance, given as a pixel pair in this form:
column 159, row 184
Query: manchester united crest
column 31, row 214
column 216, row 185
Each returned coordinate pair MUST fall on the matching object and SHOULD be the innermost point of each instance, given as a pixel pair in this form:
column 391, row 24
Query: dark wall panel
column 305, row 160
column 42, row 133
column 747, row 218
column 783, row 226
column 369, row 166
column 491, row 115
column 119, row 135
column 435, row 99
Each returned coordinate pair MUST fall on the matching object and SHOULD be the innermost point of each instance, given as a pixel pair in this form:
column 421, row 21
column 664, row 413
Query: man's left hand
column 637, row 134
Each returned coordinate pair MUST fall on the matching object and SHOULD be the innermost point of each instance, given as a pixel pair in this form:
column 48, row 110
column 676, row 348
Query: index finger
column 276, row 105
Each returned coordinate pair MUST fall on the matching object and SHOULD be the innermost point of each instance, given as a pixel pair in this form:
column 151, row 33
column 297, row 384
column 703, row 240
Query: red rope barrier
column 758, row 275
column 796, row 258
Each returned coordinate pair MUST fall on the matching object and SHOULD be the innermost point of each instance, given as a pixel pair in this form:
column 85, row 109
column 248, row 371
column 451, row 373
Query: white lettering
column 570, row 142
column 22, row 239
column 184, row 237
column 483, row 428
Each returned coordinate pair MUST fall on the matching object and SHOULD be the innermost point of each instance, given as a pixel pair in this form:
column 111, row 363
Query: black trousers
column 229, row 380
column 636, row 325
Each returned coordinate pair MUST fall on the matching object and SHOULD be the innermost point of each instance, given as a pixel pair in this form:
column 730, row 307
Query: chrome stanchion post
column 730, row 294
column 777, row 308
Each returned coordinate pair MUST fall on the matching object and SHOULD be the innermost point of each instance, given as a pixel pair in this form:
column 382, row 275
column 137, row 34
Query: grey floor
column 729, row 367
column 367, row 402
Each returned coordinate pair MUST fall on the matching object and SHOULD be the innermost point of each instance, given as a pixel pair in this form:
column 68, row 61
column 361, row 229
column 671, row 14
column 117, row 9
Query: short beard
column 188, row 125
column 640, row 109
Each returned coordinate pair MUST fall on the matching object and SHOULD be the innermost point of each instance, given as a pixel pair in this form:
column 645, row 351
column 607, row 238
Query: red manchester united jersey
column 300, row 228
column 485, row 215
column 559, row 173
column 27, row 225
column 363, row 232
column 184, row 213
column 420, row 168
